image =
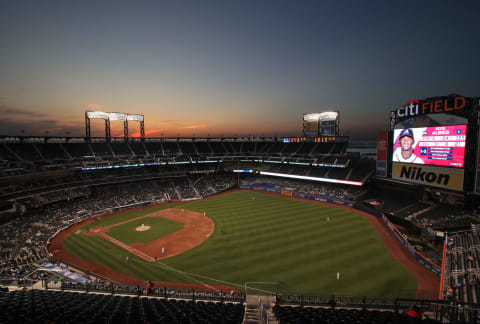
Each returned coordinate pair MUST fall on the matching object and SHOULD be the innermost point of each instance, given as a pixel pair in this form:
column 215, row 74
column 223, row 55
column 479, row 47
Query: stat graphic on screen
column 439, row 145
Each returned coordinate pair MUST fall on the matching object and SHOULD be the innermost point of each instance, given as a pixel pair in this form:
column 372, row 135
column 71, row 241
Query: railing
column 19, row 283
column 439, row 310
column 263, row 312
column 164, row 292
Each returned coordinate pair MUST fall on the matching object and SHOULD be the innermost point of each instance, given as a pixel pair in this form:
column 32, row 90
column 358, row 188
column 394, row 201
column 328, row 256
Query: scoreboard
column 434, row 142
column 441, row 146
column 321, row 124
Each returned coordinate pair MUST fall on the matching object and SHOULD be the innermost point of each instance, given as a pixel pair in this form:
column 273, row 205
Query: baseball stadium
column 252, row 229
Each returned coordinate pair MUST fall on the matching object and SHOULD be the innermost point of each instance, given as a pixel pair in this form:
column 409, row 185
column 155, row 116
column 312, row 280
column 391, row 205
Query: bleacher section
column 154, row 149
column 78, row 150
column 138, row 148
column 287, row 314
column 20, row 156
column 411, row 209
column 101, row 149
column 121, row 149
column 170, row 148
column 203, row 148
column 52, row 151
column 43, row 306
column 247, row 148
column 187, row 148
column 443, row 217
column 26, row 151
column 218, row 148
column 462, row 267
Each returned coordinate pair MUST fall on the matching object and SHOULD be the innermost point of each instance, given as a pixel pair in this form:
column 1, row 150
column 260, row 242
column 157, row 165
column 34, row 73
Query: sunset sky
column 229, row 67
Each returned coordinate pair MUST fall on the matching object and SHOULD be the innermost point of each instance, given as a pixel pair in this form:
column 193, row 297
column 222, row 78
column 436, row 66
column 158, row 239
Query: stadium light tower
column 113, row 116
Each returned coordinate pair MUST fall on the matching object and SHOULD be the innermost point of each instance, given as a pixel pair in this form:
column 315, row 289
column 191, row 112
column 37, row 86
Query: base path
column 57, row 248
column 197, row 228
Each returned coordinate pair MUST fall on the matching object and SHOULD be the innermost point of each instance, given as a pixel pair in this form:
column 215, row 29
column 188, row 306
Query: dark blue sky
column 230, row 67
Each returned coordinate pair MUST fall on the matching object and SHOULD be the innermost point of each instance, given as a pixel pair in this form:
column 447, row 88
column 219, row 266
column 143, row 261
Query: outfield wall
column 426, row 262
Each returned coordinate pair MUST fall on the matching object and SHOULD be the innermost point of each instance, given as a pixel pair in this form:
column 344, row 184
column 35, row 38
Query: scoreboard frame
column 414, row 112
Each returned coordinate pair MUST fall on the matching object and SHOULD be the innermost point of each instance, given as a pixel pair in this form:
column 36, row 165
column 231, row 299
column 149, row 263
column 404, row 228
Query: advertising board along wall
column 435, row 176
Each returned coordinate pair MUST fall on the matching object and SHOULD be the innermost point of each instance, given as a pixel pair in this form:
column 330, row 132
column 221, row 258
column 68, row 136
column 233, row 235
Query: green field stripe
column 275, row 238
column 126, row 216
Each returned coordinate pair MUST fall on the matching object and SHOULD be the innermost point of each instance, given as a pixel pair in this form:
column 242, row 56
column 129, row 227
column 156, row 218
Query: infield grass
column 159, row 227
column 270, row 238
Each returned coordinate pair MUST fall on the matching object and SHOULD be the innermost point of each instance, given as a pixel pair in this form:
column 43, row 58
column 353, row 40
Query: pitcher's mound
column 142, row 228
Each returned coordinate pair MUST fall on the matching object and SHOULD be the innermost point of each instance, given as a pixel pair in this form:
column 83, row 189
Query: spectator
column 414, row 312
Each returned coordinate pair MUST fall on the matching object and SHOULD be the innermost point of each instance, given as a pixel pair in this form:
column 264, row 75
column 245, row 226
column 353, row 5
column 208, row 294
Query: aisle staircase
column 259, row 309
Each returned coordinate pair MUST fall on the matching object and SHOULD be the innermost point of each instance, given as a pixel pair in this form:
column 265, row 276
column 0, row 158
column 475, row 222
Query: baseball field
column 256, row 237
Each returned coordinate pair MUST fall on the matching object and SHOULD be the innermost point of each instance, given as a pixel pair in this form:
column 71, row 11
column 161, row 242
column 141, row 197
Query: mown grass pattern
column 270, row 238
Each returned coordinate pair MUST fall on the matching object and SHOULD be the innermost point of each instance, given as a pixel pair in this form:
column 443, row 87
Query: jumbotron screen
column 438, row 145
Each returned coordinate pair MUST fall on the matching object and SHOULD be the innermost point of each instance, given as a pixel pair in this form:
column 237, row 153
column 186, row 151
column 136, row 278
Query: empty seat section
column 323, row 148
column 339, row 148
column 338, row 173
column 42, row 306
column 187, row 148
column 101, row 149
column 5, row 154
column 26, row 151
column 78, row 149
column 120, row 149
column 264, row 147
column 235, row 147
column 203, row 148
column 276, row 148
column 155, row 148
column 170, row 148
column 287, row 314
column 306, row 148
column 138, row 149
column 51, row 151
column 291, row 148
column 218, row 147
column 248, row 148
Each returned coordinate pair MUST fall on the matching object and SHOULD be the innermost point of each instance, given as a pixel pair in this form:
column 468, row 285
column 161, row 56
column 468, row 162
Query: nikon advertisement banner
column 435, row 176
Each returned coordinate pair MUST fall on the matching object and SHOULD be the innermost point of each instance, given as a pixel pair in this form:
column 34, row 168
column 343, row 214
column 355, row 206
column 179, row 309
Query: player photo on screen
column 442, row 146
column 405, row 151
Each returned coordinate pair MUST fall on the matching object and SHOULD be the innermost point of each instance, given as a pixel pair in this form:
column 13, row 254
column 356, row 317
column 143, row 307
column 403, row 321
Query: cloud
column 195, row 126
column 13, row 111
column 148, row 133
column 169, row 121
column 10, row 126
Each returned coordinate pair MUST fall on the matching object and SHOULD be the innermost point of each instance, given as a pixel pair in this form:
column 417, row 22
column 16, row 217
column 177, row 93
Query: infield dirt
column 197, row 228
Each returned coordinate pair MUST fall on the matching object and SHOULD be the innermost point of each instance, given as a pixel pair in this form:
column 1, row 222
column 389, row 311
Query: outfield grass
column 159, row 227
column 270, row 238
